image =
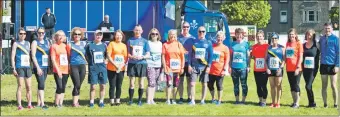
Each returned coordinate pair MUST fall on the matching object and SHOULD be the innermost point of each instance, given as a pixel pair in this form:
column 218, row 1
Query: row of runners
column 181, row 56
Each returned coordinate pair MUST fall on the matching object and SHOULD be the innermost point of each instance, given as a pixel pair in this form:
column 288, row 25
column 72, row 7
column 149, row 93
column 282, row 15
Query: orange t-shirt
column 259, row 53
column 220, row 57
column 118, row 53
column 61, row 57
column 293, row 50
column 174, row 56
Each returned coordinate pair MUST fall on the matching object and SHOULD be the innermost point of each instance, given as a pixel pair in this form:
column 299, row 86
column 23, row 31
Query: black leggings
column 115, row 81
column 261, row 79
column 41, row 79
column 219, row 82
column 60, row 82
column 294, row 81
column 77, row 75
column 309, row 76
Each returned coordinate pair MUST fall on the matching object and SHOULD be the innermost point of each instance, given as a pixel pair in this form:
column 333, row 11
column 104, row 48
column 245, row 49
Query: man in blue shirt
column 329, row 46
column 138, row 51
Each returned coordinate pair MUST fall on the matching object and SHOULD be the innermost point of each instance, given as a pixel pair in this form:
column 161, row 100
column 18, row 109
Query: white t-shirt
column 155, row 54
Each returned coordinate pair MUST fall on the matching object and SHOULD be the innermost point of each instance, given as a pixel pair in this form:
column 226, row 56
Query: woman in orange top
column 294, row 54
column 173, row 63
column 117, row 56
column 219, row 67
column 60, row 63
column 259, row 54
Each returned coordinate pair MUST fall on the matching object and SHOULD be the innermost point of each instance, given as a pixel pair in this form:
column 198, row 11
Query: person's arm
column 182, row 56
column 109, row 53
column 125, row 56
column 337, row 52
column 14, row 48
column 100, row 25
column 163, row 60
column 284, row 58
column 147, row 50
column 53, row 58
column 226, row 60
column 300, row 56
column 33, row 52
column 210, row 54
column 42, row 20
column 55, row 20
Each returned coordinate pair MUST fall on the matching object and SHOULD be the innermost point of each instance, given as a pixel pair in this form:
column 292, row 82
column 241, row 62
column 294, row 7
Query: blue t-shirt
column 76, row 58
column 42, row 57
column 239, row 58
column 187, row 44
column 202, row 53
column 137, row 47
column 329, row 47
column 22, row 57
column 96, row 54
column 275, row 57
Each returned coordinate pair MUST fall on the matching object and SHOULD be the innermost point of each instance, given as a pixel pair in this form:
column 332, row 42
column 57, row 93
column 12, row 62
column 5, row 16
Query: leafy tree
column 250, row 12
column 334, row 14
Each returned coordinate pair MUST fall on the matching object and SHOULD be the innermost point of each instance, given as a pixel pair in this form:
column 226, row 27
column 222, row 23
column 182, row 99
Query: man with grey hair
column 106, row 23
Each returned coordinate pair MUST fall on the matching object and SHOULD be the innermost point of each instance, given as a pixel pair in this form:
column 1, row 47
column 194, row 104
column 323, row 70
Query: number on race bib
column 216, row 56
column 44, row 60
column 156, row 57
column 119, row 59
column 273, row 62
column 309, row 62
column 25, row 60
column 199, row 53
column 175, row 64
column 290, row 52
column 259, row 63
column 137, row 51
column 238, row 57
column 63, row 59
column 98, row 57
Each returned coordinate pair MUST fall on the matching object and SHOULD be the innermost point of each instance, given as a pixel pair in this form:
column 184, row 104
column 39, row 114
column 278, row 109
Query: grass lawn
column 9, row 105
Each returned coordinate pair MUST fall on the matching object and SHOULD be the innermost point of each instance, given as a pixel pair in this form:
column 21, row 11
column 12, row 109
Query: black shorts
column 274, row 73
column 24, row 72
column 327, row 69
column 137, row 70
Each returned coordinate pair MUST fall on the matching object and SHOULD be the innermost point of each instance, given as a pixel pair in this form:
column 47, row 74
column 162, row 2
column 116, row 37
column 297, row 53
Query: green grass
column 8, row 101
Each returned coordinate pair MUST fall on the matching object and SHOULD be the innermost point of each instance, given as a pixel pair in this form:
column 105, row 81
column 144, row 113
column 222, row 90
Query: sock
column 140, row 94
column 131, row 91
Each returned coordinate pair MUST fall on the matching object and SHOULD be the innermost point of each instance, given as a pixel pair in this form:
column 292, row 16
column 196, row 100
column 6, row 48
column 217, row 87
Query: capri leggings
column 41, row 79
column 294, row 81
column 219, row 82
column 77, row 75
column 153, row 75
column 60, row 82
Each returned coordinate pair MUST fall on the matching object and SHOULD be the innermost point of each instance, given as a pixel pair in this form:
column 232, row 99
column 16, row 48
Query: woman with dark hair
column 154, row 63
column 294, row 57
column 310, row 64
column 117, row 56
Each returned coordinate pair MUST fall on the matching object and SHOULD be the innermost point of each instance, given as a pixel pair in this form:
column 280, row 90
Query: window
column 310, row 1
column 310, row 16
column 211, row 24
column 283, row 1
column 283, row 16
column 217, row 1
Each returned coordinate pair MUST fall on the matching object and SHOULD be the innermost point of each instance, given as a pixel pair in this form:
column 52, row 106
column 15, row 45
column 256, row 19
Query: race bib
column 274, row 62
column 259, row 63
column 309, row 62
column 98, row 57
column 63, row 59
column 44, row 60
column 25, row 60
column 199, row 53
column 175, row 64
column 156, row 57
column 290, row 52
column 216, row 56
column 238, row 57
column 119, row 59
column 137, row 51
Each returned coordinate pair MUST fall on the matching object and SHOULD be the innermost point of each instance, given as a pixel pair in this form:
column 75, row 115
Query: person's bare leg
column 204, row 91
column 102, row 93
column 334, row 88
column 19, row 88
column 279, row 89
column 92, row 93
column 28, row 91
column 324, row 79
column 273, row 89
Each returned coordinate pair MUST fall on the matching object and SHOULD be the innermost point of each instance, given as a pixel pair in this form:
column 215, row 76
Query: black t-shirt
column 309, row 53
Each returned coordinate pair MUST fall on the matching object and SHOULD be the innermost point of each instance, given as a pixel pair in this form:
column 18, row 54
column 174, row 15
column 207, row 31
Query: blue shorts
column 97, row 76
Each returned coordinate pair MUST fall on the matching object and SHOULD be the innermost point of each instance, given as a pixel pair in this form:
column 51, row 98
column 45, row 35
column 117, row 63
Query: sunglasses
column 185, row 26
column 154, row 33
column 77, row 34
column 22, row 33
column 201, row 31
column 41, row 32
column 275, row 38
column 99, row 34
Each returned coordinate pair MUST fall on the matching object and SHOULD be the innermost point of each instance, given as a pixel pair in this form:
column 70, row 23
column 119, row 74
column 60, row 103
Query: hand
column 189, row 69
column 60, row 74
column 166, row 70
column 15, row 72
column 139, row 57
column 229, row 70
column 181, row 71
column 268, row 71
column 118, row 70
column 39, row 71
column 336, row 69
column 297, row 71
column 248, row 69
column 133, row 57
column 207, row 70
column 223, row 73
column 278, row 72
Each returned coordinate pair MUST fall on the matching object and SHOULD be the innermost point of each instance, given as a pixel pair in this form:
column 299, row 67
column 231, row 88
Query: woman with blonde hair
column 59, row 57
